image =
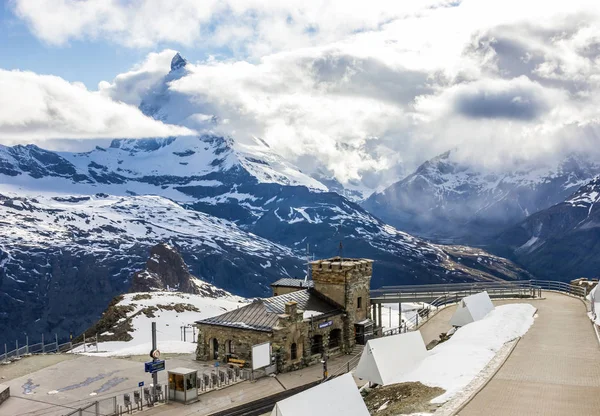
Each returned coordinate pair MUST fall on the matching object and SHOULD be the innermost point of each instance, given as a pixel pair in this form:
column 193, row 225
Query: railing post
column 43, row 344
column 96, row 342
column 5, row 353
column 56, row 341
column 26, row 344
column 17, row 344
column 84, row 342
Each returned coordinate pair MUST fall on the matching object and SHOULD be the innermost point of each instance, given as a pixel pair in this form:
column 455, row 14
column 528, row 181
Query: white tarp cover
column 337, row 397
column 383, row 359
column 472, row 308
column 261, row 355
column 594, row 298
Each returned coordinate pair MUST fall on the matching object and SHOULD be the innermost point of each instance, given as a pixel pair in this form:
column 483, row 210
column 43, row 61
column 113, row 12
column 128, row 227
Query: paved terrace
column 554, row 369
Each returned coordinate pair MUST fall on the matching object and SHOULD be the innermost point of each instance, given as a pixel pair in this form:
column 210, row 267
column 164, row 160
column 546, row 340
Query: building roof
column 262, row 314
column 291, row 282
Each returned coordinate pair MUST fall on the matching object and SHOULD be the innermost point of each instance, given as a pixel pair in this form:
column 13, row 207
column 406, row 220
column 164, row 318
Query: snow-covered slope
column 447, row 200
column 561, row 241
column 63, row 257
column 125, row 327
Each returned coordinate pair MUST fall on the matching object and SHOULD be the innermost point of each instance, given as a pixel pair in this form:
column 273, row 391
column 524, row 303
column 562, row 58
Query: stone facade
column 346, row 282
column 295, row 341
column 4, row 393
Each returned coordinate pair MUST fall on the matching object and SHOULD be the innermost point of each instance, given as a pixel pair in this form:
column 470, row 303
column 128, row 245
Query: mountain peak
column 177, row 62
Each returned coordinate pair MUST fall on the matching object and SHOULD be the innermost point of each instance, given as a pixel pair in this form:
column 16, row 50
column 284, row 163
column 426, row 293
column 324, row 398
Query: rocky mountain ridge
column 562, row 241
column 449, row 201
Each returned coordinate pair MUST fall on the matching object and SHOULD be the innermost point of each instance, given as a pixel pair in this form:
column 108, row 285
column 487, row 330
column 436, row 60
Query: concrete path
column 554, row 370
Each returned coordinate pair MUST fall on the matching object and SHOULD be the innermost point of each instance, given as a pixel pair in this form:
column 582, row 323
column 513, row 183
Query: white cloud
column 130, row 86
column 363, row 90
column 257, row 26
column 44, row 107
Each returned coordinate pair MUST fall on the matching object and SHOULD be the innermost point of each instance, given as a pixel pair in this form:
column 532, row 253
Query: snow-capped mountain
column 561, row 241
column 78, row 224
column 62, row 257
column 447, row 200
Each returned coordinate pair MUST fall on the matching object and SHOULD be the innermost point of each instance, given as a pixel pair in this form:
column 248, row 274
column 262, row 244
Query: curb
column 596, row 331
column 490, row 378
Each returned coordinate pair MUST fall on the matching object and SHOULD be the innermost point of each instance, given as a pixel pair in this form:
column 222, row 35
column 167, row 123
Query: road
column 554, row 369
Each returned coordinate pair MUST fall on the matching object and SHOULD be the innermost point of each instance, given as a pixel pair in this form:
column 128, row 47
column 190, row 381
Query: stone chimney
column 291, row 309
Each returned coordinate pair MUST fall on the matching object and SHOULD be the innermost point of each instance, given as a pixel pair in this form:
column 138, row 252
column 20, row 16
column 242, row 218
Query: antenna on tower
column 307, row 264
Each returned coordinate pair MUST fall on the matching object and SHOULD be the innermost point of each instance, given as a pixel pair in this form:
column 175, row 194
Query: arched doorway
column 294, row 351
column 229, row 348
column 335, row 338
column 316, row 345
column 214, row 348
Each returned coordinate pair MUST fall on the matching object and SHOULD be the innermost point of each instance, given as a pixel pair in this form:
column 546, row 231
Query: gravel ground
column 401, row 398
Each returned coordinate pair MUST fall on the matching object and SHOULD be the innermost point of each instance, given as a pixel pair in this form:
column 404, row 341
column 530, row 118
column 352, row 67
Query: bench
column 239, row 362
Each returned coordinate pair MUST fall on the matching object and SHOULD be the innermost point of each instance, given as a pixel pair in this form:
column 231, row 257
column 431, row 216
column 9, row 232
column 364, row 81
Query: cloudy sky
column 363, row 91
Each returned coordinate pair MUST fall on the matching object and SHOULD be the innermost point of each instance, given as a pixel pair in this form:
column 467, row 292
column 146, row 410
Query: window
column 359, row 302
column 335, row 338
column 294, row 351
column 316, row 346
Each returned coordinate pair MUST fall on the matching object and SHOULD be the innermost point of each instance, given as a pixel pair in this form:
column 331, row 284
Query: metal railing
column 428, row 293
column 22, row 350
column 455, row 292
column 345, row 367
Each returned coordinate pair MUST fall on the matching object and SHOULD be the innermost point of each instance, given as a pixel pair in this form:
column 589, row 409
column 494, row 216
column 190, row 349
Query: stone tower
column 347, row 282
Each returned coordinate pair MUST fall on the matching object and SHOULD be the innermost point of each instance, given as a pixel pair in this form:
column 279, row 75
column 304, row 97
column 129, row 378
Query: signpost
column 153, row 367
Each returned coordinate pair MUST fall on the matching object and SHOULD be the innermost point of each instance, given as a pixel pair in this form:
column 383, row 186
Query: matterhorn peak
column 177, row 62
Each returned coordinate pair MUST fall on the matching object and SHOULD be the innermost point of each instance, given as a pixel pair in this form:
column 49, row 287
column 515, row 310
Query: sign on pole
column 261, row 355
column 154, row 366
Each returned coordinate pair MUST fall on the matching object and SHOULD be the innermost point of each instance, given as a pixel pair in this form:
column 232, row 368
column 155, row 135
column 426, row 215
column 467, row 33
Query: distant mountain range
column 561, row 242
column 449, row 201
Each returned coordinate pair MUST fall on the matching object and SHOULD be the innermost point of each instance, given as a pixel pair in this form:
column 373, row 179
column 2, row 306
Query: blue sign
column 216, row 363
column 154, row 366
column 141, row 384
column 326, row 324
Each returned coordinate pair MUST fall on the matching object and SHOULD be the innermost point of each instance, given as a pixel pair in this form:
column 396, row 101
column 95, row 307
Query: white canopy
column 594, row 298
column 337, row 397
column 383, row 359
column 472, row 308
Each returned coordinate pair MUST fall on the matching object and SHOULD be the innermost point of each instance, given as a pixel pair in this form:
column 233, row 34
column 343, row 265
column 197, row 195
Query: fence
column 137, row 399
column 452, row 293
column 42, row 347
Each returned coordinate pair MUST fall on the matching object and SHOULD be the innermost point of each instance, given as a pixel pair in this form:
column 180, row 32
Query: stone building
column 302, row 321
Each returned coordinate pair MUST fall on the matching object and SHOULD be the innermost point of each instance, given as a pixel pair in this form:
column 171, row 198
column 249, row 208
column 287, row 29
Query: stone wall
column 4, row 393
column 242, row 340
column 288, row 331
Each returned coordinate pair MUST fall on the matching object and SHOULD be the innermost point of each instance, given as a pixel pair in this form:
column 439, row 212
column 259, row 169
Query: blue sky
column 88, row 61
